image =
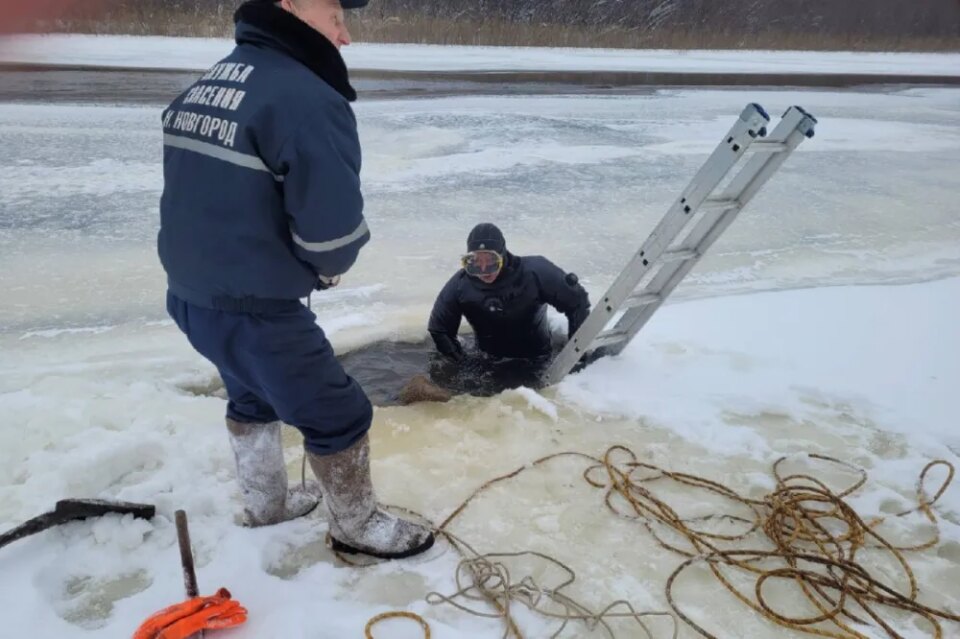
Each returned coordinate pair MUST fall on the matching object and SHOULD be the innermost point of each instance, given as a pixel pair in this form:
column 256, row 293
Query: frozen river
column 582, row 179
column 102, row 397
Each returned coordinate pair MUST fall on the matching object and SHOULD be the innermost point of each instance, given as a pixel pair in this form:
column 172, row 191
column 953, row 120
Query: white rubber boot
column 357, row 524
column 262, row 475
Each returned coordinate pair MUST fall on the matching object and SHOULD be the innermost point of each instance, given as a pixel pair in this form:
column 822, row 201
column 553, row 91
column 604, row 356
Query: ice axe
column 68, row 510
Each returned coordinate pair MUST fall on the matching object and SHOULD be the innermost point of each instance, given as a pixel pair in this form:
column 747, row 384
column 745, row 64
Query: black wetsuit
column 509, row 316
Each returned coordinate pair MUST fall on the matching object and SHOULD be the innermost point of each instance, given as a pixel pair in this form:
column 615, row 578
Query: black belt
column 228, row 304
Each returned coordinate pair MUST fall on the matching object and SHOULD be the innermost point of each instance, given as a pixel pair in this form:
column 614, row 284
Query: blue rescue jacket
column 262, row 171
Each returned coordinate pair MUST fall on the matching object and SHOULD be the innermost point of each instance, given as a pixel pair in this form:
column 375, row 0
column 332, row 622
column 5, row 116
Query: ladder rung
column 608, row 337
column 643, row 299
column 721, row 203
column 681, row 255
column 768, row 146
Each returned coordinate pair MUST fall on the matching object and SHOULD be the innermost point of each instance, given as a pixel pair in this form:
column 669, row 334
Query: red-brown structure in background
column 23, row 15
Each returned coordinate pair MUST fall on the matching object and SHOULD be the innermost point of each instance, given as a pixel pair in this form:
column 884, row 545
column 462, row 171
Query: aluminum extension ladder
column 689, row 228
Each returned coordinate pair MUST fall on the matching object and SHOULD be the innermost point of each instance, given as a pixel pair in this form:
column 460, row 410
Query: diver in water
column 504, row 297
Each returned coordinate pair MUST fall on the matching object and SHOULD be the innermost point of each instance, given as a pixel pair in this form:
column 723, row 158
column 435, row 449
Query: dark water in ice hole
column 384, row 368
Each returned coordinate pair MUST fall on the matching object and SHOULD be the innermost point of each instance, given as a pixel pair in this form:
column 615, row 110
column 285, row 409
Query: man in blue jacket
column 261, row 206
column 504, row 298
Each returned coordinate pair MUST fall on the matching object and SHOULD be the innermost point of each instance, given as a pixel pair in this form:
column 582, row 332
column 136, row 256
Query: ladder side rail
column 733, row 146
column 792, row 131
column 663, row 284
column 636, row 318
column 744, row 187
column 787, row 136
column 711, row 174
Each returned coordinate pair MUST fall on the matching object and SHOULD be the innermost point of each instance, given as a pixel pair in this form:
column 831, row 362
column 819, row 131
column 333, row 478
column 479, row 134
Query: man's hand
column 448, row 346
column 457, row 355
column 324, row 282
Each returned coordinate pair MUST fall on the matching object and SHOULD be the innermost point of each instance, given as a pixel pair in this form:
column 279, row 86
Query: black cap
column 486, row 237
column 354, row 4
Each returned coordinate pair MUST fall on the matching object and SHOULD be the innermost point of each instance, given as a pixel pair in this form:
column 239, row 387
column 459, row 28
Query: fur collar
column 263, row 23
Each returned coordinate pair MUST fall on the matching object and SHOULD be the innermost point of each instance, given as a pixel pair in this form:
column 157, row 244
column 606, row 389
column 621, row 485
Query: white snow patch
column 57, row 332
column 536, row 401
column 97, row 178
column 800, row 352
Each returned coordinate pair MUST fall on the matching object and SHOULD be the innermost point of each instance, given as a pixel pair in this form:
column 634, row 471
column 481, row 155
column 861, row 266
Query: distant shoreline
column 600, row 66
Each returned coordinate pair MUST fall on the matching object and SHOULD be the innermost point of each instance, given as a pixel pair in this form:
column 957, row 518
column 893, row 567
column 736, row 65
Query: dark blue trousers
column 279, row 366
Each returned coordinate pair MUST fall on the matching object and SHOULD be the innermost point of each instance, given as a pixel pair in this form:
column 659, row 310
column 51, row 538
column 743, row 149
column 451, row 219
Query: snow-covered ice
column 202, row 53
column 719, row 387
column 824, row 321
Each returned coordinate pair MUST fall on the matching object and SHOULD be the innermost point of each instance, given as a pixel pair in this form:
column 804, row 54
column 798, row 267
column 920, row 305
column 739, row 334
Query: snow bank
column 718, row 387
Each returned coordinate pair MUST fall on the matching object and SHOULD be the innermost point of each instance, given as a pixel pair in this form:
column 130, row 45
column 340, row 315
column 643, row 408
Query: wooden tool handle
column 186, row 555
column 186, row 560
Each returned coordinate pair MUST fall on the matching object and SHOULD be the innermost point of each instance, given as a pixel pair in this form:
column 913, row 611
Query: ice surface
column 719, row 387
column 102, row 397
column 871, row 199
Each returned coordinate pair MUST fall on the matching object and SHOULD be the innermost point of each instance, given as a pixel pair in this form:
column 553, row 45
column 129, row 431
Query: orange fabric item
column 185, row 619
